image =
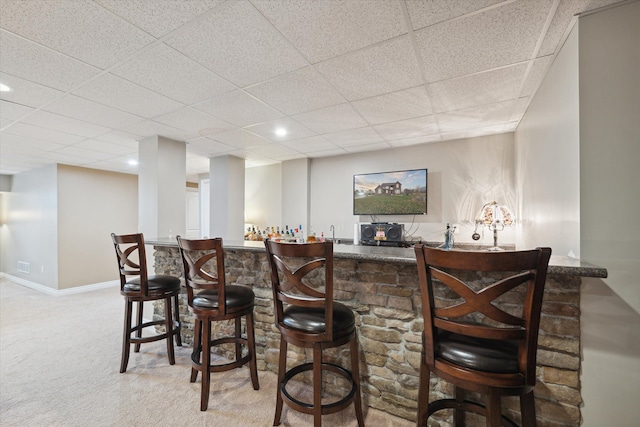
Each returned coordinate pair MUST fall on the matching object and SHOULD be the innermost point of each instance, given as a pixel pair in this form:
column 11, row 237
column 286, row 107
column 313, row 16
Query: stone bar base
column 386, row 297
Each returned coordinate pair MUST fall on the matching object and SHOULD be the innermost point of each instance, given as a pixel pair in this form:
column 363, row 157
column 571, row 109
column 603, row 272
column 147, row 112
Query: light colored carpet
column 59, row 366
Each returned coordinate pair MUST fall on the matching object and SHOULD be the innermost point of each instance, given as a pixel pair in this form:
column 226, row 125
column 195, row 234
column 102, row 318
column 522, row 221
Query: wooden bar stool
column 210, row 299
column 311, row 319
column 132, row 261
column 481, row 338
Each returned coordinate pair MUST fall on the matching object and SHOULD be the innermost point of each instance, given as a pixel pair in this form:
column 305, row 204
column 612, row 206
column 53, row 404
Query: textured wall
column 386, row 298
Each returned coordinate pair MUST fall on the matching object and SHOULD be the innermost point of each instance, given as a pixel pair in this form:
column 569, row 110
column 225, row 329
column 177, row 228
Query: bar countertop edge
column 557, row 265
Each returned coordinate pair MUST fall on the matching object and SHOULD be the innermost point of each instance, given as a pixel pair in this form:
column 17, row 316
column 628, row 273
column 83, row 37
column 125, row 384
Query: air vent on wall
column 24, row 267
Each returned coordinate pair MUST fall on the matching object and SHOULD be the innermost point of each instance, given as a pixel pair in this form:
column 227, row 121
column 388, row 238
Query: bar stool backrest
column 297, row 279
column 132, row 260
column 204, row 269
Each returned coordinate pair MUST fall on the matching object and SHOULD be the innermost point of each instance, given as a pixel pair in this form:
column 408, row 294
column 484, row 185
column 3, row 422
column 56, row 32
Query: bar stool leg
column 179, row 323
column 126, row 338
column 238, row 335
column 317, row 385
column 206, row 365
column 528, row 409
column 282, row 367
column 423, row 391
column 136, row 348
column 355, row 373
column 197, row 348
column 251, row 340
column 168, row 321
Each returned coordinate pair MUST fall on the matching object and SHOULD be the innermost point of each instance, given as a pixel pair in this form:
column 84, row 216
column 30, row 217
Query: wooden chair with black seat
column 211, row 299
column 481, row 335
column 307, row 317
column 132, row 261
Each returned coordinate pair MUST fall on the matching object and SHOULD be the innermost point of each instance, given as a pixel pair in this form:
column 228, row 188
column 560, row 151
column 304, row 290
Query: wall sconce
column 496, row 217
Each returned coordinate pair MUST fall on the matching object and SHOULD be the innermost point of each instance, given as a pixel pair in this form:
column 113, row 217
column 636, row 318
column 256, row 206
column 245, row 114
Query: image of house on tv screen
column 390, row 193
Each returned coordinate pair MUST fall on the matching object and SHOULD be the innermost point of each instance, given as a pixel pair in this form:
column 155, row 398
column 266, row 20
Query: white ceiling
column 89, row 79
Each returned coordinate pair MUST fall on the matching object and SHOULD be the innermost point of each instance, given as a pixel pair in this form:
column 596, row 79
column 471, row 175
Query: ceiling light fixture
column 281, row 131
column 4, row 88
column 133, row 162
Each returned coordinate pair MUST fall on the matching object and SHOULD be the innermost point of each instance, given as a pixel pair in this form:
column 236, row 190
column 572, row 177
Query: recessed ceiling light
column 133, row 162
column 4, row 88
column 281, row 131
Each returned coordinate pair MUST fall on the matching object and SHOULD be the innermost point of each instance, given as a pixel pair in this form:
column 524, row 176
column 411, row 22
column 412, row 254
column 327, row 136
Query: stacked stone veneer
column 386, row 298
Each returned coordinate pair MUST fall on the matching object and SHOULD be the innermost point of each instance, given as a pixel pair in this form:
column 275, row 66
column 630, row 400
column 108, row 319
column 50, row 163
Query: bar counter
column 381, row 285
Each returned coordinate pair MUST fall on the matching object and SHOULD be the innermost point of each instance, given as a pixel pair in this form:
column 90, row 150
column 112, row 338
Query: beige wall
column 263, row 195
column 92, row 205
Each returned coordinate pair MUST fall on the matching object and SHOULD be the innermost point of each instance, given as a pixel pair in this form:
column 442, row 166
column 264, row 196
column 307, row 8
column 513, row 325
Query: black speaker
column 381, row 234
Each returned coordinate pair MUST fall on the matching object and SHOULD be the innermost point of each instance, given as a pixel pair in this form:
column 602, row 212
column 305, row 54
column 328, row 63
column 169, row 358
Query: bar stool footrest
column 195, row 356
column 307, row 408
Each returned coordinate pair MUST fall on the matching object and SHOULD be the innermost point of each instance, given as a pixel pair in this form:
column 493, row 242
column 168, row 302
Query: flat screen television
column 390, row 193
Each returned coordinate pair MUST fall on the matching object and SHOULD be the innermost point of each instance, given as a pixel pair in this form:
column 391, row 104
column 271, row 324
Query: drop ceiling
column 90, row 79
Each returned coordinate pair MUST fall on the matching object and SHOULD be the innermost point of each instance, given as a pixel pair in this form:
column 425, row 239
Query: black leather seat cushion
column 312, row 319
column 478, row 353
column 156, row 283
column 235, row 295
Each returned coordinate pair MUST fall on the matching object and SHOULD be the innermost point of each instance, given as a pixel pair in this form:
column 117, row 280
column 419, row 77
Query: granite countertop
column 557, row 264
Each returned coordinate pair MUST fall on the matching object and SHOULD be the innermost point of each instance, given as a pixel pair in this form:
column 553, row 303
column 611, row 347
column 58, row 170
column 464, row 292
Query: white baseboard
column 60, row 292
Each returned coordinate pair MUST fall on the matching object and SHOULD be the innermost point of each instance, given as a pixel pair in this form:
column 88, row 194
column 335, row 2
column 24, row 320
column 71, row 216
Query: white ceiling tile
column 332, row 119
column 158, row 17
column 274, row 150
column 239, row 108
column 194, row 121
column 351, row 137
column 149, row 128
column 12, row 111
column 405, row 142
column 239, row 138
column 367, row 147
column 119, row 93
column 4, row 122
column 121, row 138
column 47, row 120
column 43, row 134
column 519, row 109
column 19, row 142
column 258, row 51
column 294, row 130
column 448, row 49
column 296, row 92
column 481, row 131
column 329, row 153
column 92, row 34
column 536, row 74
column 69, row 159
column 562, row 19
column 169, row 73
column 391, row 107
column 27, row 93
column 106, row 147
column 93, row 112
column 411, row 128
column 323, row 29
column 383, row 68
column 477, row 89
column 74, row 150
column 310, row 145
column 426, row 13
column 475, row 117
column 22, row 57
